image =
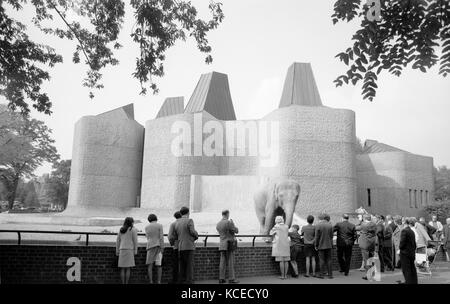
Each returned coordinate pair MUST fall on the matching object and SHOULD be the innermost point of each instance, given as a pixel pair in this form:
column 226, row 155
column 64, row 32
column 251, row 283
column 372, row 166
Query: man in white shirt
column 422, row 236
column 439, row 227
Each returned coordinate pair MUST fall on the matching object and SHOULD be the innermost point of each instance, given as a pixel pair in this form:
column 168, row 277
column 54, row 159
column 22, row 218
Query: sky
column 256, row 43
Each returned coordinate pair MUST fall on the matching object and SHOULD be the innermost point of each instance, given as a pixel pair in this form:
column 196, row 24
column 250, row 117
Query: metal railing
column 87, row 234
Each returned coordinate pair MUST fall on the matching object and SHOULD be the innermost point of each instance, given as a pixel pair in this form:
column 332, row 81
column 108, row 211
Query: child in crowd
column 296, row 247
column 309, row 236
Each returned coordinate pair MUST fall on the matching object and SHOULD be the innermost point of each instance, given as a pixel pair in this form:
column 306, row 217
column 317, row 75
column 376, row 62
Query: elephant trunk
column 289, row 212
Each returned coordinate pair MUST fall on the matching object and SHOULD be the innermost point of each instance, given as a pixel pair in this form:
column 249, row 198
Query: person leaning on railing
column 227, row 247
column 280, row 245
column 155, row 246
column 186, row 236
column 308, row 233
column 126, row 248
column 173, row 240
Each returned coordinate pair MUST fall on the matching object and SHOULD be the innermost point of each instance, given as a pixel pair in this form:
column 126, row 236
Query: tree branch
column 73, row 31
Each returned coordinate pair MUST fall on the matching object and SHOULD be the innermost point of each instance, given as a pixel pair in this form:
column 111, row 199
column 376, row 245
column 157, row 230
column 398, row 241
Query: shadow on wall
column 381, row 194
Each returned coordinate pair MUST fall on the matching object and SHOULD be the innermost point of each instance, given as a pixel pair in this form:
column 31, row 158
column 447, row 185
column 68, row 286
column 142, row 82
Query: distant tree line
column 441, row 205
column 442, row 183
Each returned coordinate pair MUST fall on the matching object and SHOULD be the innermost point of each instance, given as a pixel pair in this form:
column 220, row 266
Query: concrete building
column 106, row 161
column 393, row 181
column 201, row 156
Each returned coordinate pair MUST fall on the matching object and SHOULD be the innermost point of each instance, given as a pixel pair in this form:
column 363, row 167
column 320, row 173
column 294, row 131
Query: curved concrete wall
column 317, row 149
column 106, row 162
column 166, row 178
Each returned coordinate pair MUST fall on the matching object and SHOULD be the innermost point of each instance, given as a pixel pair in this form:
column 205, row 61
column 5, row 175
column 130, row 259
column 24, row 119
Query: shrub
column 440, row 208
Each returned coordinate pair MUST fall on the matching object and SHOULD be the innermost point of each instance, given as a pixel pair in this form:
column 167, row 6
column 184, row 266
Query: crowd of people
column 182, row 236
column 394, row 240
column 314, row 240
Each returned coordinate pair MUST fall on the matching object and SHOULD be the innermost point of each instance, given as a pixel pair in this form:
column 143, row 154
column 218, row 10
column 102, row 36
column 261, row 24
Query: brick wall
column 47, row 264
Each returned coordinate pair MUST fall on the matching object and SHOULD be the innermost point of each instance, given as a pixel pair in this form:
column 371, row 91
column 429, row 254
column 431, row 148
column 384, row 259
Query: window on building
column 369, row 199
column 426, row 197
column 410, row 199
column 415, row 198
column 421, row 198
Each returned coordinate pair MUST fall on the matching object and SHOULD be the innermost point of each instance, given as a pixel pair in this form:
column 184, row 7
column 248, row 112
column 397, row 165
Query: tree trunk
column 12, row 193
column 10, row 201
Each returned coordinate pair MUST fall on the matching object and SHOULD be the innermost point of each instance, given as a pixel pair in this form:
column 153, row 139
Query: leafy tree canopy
column 409, row 33
column 25, row 144
column 442, row 183
column 58, row 183
column 95, row 26
column 441, row 209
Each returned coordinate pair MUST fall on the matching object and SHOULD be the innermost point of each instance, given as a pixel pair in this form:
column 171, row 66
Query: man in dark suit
column 346, row 236
column 227, row 231
column 393, row 227
column 387, row 247
column 186, row 236
column 324, row 244
column 380, row 240
column 408, row 253
column 174, row 242
column 366, row 240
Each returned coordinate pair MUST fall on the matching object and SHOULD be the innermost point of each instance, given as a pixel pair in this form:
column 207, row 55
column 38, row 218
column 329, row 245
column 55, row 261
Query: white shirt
column 436, row 225
column 422, row 237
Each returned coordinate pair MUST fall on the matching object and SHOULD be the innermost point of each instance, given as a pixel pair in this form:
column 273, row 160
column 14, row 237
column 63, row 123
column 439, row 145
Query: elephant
column 276, row 198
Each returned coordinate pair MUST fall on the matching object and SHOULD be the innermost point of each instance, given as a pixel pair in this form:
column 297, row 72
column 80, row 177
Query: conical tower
column 171, row 106
column 212, row 94
column 300, row 87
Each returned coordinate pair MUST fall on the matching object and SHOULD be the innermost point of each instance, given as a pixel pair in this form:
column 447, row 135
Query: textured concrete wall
column 390, row 176
column 106, row 161
column 317, row 147
column 166, row 178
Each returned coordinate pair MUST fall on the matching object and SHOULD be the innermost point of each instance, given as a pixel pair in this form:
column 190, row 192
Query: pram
column 424, row 261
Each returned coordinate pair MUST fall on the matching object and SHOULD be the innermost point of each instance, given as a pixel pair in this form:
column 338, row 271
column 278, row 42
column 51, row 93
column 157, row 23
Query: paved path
column 441, row 275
